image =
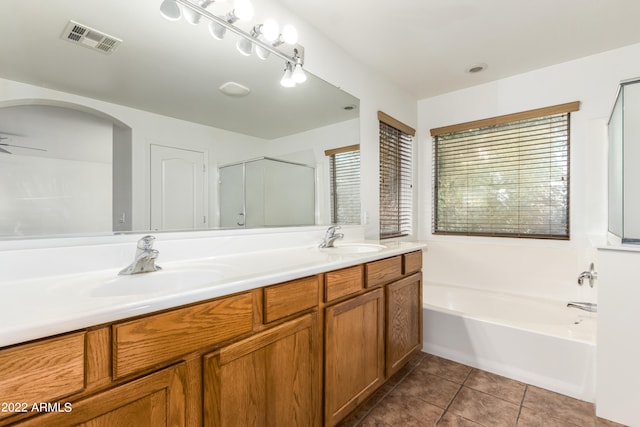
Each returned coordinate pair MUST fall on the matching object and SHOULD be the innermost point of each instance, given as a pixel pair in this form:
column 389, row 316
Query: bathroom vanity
column 302, row 352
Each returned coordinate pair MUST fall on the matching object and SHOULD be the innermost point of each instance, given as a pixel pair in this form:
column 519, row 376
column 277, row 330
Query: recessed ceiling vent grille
column 88, row 37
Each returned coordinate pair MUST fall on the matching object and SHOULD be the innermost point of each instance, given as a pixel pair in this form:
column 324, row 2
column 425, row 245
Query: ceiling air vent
column 88, row 37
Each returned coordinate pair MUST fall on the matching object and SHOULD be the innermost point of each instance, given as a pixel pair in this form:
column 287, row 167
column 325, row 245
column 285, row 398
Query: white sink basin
column 162, row 281
column 354, row 248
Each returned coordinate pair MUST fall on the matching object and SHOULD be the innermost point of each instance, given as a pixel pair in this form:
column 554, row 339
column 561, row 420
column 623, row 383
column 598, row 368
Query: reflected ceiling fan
column 4, row 144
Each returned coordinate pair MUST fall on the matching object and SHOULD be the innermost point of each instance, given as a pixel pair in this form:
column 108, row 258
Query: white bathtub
column 540, row 342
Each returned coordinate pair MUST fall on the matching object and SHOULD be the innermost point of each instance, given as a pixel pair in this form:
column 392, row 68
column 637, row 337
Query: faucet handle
column 146, row 242
column 332, row 230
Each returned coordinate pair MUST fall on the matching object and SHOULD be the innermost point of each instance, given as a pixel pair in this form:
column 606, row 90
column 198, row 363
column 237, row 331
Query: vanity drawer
column 383, row 271
column 42, row 372
column 340, row 283
column 412, row 262
column 142, row 343
column 289, row 298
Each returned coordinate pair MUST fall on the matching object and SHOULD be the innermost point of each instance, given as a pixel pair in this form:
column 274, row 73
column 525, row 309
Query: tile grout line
column 359, row 423
column 526, row 388
column 454, row 396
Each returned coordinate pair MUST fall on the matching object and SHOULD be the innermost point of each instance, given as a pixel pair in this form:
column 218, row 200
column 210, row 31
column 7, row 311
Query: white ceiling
column 169, row 68
column 425, row 46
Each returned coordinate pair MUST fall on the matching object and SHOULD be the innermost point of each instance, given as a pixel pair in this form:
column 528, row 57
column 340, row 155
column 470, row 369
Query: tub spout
column 586, row 306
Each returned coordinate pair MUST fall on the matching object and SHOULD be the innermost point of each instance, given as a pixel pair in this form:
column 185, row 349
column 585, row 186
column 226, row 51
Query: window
column 507, row 176
column 344, row 175
column 396, row 188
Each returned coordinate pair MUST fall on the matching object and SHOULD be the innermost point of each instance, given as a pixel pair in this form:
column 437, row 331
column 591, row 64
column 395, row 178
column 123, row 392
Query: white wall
column 328, row 61
column 544, row 268
column 618, row 350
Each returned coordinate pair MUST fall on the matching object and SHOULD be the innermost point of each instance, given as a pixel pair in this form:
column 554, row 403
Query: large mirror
column 144, row 137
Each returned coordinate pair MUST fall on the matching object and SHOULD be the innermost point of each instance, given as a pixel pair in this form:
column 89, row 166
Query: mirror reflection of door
column 178, row 188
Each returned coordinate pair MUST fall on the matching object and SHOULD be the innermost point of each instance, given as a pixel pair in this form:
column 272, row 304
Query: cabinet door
column 152, row 401
column 404, row 321
column 354, row 353
column 269, row 379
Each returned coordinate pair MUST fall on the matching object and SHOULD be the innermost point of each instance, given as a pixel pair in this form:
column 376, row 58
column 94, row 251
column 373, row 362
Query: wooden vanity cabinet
column 301, row 353
column 155, row 400
column 43, row 371
column 269, row 379
column 354, row 353
column 372, row 334
column 404, row 321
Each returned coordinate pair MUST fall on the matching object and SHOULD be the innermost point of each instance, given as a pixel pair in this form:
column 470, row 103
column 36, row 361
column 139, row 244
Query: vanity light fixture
column 170, row 10
column 287, row 77
column 194, row 10
column 298, row 75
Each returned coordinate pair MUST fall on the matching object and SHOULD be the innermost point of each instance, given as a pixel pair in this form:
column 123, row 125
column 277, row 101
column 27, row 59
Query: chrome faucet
column 586, row 306
column 145, row 259
column 330, row 237
column 591, row 275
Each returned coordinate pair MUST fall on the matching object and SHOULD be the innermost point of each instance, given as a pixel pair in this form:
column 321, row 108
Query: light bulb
column 270, row 30
column 298, row 75
column 216, row 30
column 170, row 10
column 193, row 17
column 287, row 80
column 244, row 46
column 290, row 34
column 243, row 9
column 262, row 52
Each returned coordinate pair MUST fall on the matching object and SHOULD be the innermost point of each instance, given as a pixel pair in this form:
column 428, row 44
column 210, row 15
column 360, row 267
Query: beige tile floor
column 432, row 391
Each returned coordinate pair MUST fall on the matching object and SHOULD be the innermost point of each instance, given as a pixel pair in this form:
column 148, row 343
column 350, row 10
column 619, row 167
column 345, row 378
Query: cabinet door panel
column 155, row 400
column 354, row 353
column 270, row 379
column 404, row 321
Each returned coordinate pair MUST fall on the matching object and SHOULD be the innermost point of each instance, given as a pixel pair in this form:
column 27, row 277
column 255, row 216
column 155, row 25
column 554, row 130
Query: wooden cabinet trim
column 98, row 359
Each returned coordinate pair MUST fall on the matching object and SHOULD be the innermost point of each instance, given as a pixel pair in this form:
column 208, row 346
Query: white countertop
column 41, row 307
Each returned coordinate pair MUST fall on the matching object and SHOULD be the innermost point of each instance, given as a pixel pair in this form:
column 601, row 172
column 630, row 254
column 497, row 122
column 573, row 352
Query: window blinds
column 344, row 175
column 396, row 189
column 508, row 178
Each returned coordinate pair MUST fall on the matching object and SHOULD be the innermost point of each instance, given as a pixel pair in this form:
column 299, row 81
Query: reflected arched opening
column 65, row 168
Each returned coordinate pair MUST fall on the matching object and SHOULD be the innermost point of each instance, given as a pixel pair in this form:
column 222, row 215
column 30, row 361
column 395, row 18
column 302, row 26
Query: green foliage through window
column 509, row 179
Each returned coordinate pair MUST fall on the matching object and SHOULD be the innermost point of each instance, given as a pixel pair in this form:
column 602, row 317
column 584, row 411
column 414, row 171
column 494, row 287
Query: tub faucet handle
column 591, row 275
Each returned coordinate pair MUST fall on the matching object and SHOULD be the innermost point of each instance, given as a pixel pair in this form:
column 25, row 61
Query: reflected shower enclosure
column 624, row 154
column 251, row 194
